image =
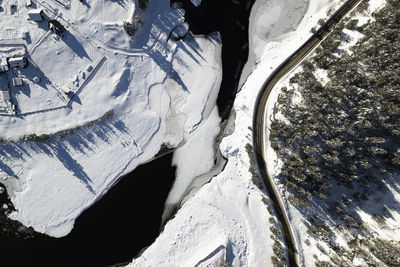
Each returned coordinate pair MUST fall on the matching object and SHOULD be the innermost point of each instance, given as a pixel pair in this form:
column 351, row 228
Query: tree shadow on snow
column 65, row 147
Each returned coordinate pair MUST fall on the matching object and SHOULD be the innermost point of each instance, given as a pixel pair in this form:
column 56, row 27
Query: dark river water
column 231, row 19
column 127, row 219
column 113, row 230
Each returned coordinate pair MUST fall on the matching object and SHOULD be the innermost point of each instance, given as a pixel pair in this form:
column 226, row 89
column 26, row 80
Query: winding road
column 259, row 122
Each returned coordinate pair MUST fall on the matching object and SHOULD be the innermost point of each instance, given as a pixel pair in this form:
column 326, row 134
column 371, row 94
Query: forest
column 340, row 144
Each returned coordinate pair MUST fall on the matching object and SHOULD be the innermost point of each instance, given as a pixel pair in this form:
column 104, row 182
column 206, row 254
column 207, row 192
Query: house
column 35, row 15
column 17, row 82
column 3, row 65
column 56, row 27
column 17, row 62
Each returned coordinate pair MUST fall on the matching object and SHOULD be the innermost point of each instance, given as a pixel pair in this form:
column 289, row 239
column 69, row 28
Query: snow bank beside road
column 278, row 18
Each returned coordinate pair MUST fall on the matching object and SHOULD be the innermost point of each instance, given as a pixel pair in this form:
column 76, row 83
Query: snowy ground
column 226, row 220
column 131, row 96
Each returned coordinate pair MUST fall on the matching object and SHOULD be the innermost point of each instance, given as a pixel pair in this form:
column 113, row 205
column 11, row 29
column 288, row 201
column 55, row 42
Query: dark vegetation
column 279, row 257
column 340, row 146
column 44, row 137
column 131, row 27
column 255, row 177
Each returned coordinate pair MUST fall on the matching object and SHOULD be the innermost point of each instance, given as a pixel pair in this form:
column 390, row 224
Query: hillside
column 334, row 129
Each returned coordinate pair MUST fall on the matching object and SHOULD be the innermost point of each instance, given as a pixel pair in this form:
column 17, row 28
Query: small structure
column 3, row 65
column 17, row 82
column 17, row 62
column 5, row 100
column 28, row 3
column 35, row 15
column 56, row 27
column 4, row 96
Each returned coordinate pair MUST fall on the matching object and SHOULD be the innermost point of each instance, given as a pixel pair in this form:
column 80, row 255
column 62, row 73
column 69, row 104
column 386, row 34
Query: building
column 35, row 15
column 5, row 96
column 3, row 65
column 17, row 82
column 6, row 106
column 17, row 62
column 56, row 27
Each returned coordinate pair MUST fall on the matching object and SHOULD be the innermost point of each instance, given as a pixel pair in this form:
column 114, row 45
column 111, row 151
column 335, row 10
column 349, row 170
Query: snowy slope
column 226, row 221
column 132, row 96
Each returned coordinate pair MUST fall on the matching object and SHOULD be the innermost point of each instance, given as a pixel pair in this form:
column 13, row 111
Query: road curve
column 259, row 121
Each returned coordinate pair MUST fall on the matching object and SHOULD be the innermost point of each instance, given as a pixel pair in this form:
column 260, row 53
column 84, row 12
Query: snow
column 128, row 96
column 265, row 27
column 226, row 217
column 214, row 220
column 296, row 218
column 194, row 158
column 322, row 76
column 159, row 92
column 196, row 2
column 35, row 15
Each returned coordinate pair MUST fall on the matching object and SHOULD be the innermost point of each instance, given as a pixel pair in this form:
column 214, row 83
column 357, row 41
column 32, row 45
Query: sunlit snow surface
column 226, row 221
column 153, row 90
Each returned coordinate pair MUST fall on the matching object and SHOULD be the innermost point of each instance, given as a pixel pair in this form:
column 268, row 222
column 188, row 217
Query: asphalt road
column 259, row 121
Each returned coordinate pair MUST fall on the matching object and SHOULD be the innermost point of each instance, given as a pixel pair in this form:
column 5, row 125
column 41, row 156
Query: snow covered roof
column 17, row 61
column 35, row 15
column 17, row 82
column 3, row 65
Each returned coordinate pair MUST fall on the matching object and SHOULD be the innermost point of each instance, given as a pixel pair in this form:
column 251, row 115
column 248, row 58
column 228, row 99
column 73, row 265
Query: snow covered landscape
column 231, row 210
column 91, row 108
column 91, row 89
column 347, row 224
